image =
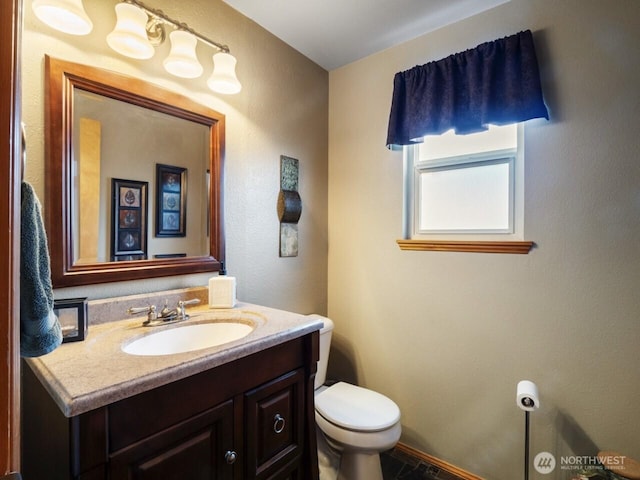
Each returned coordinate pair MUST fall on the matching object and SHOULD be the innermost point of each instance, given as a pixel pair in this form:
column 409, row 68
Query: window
column 465, row 189
column 470, row 196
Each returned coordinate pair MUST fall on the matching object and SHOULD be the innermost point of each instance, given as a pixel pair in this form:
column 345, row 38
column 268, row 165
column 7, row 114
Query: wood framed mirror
column 106, row 137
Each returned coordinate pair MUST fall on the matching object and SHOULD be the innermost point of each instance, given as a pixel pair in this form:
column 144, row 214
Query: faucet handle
column 182, row 314
column 149, row 310
column 193, row 301
column 136, row 310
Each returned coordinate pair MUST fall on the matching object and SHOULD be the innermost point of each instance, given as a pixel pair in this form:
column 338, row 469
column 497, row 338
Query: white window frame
column 413, row 168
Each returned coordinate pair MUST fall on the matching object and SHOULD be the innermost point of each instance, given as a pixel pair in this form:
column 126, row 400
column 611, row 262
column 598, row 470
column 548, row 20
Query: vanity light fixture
column 138, row 32
column 67, row 16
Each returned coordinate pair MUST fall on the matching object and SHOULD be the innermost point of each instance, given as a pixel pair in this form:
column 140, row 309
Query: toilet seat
column 357, row 409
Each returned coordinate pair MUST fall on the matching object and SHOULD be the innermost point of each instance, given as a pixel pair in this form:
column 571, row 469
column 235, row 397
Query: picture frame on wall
column 129, row 220
column 171, row 201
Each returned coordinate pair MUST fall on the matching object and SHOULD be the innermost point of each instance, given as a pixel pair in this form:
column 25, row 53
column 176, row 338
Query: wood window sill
column 466, row 246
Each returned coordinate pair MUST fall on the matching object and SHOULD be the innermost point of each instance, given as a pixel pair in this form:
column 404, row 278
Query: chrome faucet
column 166, row 315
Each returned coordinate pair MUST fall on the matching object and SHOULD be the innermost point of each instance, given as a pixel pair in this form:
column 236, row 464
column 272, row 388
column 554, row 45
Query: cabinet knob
column 278, row 423
column 230, row 457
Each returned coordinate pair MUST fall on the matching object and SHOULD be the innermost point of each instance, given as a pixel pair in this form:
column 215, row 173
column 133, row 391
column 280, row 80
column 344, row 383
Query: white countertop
column 82, row 376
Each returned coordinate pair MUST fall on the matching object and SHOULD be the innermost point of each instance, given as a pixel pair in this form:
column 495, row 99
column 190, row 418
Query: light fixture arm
column 158, row 16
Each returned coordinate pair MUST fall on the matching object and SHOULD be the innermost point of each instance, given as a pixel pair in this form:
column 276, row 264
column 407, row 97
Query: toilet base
column 335, row 464
column 360, row 465
column 328, row 458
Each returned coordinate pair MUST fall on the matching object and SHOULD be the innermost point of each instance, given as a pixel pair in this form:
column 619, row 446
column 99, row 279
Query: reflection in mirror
column 133, row 179
column 117, row 140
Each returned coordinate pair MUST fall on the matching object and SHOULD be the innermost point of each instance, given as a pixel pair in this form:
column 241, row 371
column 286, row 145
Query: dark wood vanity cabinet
column 252, row 418
column 192, row 449
column 274, row 425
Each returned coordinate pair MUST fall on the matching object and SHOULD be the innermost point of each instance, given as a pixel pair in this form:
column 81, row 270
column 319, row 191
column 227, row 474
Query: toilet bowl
column 356, row 422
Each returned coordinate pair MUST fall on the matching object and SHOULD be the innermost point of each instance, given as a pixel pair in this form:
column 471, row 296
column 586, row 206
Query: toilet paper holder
column 528, row 399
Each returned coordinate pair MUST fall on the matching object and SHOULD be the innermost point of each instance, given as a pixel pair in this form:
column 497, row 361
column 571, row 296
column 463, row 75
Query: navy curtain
column 495, row 83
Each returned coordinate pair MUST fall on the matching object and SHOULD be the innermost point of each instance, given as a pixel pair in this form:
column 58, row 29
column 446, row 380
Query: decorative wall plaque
column 289, row 206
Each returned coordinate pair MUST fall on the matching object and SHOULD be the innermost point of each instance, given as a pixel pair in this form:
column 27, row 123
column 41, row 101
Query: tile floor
column 398, row 465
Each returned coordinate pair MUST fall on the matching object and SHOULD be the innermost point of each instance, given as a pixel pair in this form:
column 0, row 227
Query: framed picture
column 73, row 318
column 171, row 201
column 129, row 220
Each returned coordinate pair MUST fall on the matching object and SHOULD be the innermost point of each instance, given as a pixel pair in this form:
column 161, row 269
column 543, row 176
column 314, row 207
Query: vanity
column 240, row 410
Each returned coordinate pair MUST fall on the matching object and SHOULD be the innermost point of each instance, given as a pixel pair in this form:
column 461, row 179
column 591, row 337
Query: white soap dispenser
column 222, row 290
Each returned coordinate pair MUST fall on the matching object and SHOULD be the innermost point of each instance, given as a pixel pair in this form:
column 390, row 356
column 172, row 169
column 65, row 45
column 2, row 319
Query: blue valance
column 496, row 83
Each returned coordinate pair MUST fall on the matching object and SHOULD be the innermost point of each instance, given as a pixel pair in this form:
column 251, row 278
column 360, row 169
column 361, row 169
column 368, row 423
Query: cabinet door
column 291, row 471
column 195, row 449
column 274, row 416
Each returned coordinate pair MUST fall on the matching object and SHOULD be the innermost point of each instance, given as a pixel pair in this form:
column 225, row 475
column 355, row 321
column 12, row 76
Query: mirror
column 133, row 178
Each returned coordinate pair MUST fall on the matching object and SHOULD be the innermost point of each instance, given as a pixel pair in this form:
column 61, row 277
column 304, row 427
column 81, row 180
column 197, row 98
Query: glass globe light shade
column 67, row 16
column 223, row 79
column 182, row 61
column 129, row 37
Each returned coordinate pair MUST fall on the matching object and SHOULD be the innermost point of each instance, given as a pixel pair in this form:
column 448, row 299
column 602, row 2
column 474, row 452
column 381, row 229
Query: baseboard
column 453, row 471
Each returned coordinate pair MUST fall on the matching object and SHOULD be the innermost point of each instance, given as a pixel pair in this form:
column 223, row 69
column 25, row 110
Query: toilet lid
column 356, row 408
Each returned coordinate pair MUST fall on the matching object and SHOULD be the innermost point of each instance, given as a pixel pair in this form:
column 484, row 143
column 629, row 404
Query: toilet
column 355, row 422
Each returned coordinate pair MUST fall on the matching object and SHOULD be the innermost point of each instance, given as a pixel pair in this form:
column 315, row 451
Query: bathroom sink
column 187, row 338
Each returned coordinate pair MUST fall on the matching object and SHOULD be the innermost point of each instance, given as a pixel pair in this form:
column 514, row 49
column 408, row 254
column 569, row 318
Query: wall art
column 129, row 220
column 171, row 201
column 289, row 206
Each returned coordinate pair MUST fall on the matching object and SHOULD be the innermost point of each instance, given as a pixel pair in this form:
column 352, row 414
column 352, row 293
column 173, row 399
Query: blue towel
column 40, row 331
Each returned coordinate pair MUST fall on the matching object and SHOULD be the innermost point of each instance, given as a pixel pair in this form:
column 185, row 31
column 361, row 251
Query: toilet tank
column 325, row 343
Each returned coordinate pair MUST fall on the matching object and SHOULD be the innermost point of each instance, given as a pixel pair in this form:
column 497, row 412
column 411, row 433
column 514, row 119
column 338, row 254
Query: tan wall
column 449, row 335
column 282, row 110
